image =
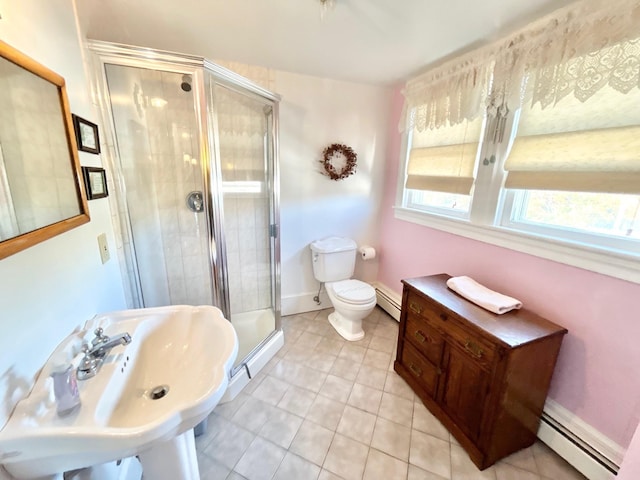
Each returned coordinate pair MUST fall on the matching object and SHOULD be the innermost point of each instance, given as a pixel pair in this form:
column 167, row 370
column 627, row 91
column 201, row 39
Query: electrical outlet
column 104, row 248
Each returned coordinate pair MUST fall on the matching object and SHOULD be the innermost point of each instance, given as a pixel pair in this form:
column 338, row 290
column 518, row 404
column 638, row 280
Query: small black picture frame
column 86, row 135
column 95, row 182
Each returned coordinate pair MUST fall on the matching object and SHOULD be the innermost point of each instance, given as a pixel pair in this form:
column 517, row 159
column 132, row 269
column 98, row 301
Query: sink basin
column 146, row 395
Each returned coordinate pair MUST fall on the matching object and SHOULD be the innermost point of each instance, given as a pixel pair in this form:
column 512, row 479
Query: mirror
column 41, row 193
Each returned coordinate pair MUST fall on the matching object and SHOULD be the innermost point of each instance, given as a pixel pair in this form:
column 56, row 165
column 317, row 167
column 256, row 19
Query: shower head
column 185, row 85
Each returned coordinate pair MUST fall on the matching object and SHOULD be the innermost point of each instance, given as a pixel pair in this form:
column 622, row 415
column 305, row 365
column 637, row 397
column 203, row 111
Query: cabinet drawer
column 449, row 324
column 417, row 305
column 425, row 338
column 480, row 350
column 425, row 372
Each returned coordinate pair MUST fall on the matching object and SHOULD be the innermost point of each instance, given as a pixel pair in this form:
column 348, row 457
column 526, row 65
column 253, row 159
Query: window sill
column 614, row 264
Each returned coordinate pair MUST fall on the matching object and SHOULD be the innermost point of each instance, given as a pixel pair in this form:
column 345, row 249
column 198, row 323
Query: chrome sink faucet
column 103, row 343
column 94, row 356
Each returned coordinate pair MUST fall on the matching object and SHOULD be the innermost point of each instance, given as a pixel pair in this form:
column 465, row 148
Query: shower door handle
column 273, row 230
column 195, row 201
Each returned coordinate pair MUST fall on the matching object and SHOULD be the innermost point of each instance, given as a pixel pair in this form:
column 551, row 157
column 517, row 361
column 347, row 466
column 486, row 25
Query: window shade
column 606, row 160
column 445, row 168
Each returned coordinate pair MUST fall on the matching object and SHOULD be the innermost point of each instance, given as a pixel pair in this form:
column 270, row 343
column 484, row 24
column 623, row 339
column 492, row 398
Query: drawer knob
column 443, row 317
column 421, row 337
column 417, row 371
column 414, row 307
column 473, row 349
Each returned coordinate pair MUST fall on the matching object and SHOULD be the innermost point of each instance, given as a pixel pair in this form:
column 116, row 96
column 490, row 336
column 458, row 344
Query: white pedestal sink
column 185, row 352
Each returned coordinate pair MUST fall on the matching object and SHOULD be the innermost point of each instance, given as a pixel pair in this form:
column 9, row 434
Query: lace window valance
column 576, row 50
column 451, row 93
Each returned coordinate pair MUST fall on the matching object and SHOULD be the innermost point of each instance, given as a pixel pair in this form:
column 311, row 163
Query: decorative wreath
column 327, row 161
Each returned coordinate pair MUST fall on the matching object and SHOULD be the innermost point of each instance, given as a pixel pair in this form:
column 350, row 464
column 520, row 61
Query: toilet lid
column 354, row 291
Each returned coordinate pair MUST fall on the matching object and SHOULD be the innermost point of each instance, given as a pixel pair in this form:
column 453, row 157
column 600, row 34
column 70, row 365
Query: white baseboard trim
column 303, row 302
column 589, row 451
column 388, row 300
column 257, row 363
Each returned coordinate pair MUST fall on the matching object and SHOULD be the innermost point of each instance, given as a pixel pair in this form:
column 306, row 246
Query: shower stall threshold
column 255, row 362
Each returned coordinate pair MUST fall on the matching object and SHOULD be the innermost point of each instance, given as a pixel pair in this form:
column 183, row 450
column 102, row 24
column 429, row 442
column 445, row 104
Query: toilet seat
column 353, row 292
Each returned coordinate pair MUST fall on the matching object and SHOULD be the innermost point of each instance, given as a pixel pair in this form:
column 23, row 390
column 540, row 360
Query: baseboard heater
column 575, row 449
column 389, row 301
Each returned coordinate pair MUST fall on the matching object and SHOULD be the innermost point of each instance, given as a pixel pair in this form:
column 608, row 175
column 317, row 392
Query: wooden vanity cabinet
column 484, row 376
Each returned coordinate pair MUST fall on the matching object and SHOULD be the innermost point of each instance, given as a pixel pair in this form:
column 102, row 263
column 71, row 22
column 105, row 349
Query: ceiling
column 370, row 41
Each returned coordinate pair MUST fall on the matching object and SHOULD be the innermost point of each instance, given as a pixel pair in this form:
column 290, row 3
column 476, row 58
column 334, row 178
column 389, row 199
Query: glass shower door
column 202, row 221
column 155, row 123
column 246, row 177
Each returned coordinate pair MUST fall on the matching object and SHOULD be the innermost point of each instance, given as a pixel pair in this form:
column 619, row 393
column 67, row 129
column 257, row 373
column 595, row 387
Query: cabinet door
column 465, row 391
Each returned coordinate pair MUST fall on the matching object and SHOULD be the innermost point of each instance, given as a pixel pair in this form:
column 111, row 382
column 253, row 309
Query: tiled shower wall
column 248, row 253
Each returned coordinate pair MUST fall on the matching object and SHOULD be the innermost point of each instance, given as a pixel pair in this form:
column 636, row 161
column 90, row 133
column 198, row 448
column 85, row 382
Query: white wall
column 49, row 289
column 315, row 113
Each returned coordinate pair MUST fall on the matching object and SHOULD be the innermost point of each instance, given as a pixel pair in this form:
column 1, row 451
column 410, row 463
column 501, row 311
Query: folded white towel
column 480, row 295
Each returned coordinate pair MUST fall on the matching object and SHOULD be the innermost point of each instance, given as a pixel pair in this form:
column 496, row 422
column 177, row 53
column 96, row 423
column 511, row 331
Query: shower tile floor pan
column 252, row 328
column 327, row 409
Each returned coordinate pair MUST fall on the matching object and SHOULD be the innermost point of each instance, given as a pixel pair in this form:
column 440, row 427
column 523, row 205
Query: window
column 441, row 168
column 598, row 213
column 560, row 172
column 574, row 169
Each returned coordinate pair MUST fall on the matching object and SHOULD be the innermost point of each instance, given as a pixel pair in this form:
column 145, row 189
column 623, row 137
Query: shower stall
column 193, row 159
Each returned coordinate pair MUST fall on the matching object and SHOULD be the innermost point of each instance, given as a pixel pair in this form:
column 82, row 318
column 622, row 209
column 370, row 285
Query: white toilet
column 334, row 259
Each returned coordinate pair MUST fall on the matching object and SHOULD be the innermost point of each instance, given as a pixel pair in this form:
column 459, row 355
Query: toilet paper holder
column 367, row 252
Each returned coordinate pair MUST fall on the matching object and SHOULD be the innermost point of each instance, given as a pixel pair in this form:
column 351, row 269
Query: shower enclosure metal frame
column 125, row 55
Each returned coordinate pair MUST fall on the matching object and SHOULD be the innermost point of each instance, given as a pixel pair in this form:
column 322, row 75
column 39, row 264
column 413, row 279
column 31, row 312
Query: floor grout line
column 308, row 362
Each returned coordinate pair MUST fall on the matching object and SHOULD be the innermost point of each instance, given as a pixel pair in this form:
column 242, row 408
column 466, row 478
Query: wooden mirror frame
column 28, row 239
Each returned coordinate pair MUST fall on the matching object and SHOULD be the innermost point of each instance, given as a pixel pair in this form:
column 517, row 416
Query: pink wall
column 630, row 468
column 596, row 377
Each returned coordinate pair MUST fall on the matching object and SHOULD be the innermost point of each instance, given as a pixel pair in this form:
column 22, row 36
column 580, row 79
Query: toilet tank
column 333, row 258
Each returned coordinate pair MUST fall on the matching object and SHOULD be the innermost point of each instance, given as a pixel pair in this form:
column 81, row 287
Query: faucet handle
column 86, row 359
column 100, row 337
column 88, row 365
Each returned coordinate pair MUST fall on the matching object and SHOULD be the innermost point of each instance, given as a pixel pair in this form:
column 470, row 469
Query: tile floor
column 326, row 409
